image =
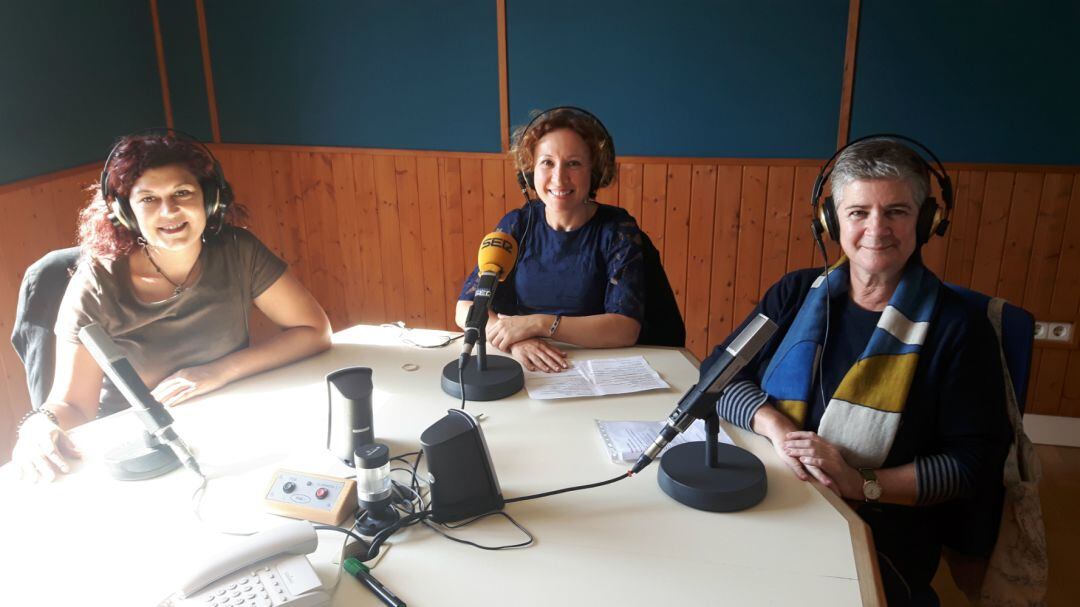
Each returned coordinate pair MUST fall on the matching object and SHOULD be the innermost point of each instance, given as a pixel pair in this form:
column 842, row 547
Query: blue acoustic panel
column 184, row 66
column 75, row 76
column 976, row 80
column 420, row 74
column 687, row 78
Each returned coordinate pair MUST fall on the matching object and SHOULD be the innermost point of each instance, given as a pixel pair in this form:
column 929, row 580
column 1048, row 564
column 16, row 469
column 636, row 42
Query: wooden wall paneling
column 1046, row 244
column 610, row 194
column 800, row 249
column 513, row 198
column 677, row 229
column 975, row 197
column 472, row 209
column 389, row 239
column 751, row 237
column 630, row 189
column 961, row 230
column 286, row 204
column 372, row 298
column 436, row 301
column 991, row 234
column 725, row 253
column 1066, row 298
column 777, row 227
column 347, row 218
column 1024, row 212
column 326, row 270
column 1050, row 381
column 699, row 258
column 494, row 195
column 453, row 233
column 258, row 197
column 653, row 211
column 1070, row 390
column 411, row 240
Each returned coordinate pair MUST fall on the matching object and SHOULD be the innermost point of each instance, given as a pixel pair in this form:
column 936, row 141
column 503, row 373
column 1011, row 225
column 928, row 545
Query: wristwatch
column 871, row 489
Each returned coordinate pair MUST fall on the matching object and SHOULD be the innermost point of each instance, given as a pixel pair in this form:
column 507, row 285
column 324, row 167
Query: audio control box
column 314, row 497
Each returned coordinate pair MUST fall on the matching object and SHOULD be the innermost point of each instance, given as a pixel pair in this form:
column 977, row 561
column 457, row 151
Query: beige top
column 206, row 321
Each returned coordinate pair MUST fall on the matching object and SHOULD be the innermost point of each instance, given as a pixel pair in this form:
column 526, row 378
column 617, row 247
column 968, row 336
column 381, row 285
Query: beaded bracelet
column 49, row 414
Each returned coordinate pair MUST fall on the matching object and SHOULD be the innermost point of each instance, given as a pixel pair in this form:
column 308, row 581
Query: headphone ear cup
column 830, row 220
column 120, row 217
column 529, row 180
column 927, row 223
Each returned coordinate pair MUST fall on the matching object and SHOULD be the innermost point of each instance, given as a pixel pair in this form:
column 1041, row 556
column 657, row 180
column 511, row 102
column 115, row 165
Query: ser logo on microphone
column 494, row 241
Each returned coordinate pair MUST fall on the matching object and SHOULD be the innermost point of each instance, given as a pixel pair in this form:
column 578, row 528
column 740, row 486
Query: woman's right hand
column 42, row 450
column 537, row 354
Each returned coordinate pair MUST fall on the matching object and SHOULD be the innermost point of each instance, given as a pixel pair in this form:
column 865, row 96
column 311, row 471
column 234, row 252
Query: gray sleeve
column 740, row 401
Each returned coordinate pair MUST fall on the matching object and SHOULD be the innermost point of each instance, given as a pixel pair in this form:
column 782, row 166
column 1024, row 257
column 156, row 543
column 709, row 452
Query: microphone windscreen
column 498, row 252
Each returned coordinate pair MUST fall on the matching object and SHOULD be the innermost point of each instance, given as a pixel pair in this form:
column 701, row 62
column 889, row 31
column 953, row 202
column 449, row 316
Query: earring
column 140, row 240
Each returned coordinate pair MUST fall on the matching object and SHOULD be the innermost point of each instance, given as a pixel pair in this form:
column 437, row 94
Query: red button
column 321, row 493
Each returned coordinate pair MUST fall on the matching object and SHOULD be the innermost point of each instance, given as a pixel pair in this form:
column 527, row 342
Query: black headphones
column 217, row 195
column 525, row 178
column 933, row 219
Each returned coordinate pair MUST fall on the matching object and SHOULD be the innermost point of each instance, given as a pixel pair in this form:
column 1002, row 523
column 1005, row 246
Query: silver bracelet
column 555, row 325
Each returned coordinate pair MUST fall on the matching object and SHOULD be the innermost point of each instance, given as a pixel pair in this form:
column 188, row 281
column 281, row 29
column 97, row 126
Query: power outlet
column 1059, row 331
column 1040, row 330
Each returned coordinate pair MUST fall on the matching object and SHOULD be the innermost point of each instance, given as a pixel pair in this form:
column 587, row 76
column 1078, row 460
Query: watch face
column 872, row 490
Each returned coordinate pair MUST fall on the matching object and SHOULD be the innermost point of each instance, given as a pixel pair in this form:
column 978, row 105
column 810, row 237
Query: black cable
column 436, row 529
column 461, row 384
column 828, row 315
column 347, row 532
column 380, row 538
column 568, row 489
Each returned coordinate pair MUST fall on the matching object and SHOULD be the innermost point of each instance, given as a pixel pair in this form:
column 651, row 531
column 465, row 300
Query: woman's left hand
column 824, row 461
column 188, row 383
column 509, row 330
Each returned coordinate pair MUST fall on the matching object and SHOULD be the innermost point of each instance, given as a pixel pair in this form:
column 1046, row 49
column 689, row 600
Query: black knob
column 289, row 487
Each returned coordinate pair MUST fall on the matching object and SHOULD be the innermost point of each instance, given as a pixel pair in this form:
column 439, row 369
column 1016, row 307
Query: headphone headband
column 938, row 219
column 525, row 178
column 215, row 209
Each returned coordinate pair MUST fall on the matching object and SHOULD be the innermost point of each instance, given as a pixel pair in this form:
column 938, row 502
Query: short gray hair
column 880, row 158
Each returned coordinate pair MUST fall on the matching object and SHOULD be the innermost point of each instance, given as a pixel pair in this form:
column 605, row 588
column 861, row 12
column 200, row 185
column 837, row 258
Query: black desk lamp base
column 503, row 377
column 737, row 482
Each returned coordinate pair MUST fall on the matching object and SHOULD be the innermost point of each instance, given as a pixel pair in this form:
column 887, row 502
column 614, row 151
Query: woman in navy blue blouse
column 579, row 276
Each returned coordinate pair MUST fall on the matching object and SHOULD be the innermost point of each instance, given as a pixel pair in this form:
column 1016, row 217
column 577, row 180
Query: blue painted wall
column 420, row 74
column 976, row 80
column 686, row 78
column 179, row 23
column 73, row 76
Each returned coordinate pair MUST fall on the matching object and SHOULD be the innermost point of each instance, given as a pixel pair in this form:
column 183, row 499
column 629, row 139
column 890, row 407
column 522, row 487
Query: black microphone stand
column 491, row 378
column 731, row 478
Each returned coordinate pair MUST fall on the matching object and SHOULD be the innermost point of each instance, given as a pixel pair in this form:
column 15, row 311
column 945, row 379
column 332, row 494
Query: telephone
column 268, row 570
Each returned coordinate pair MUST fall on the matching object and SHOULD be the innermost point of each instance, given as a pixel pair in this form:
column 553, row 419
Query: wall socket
column 1061, row 332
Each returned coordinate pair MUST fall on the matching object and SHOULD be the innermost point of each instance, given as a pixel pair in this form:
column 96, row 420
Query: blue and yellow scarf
column 863, row 415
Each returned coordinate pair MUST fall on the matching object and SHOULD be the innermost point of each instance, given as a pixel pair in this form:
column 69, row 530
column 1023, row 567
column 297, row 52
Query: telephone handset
column 268, row 569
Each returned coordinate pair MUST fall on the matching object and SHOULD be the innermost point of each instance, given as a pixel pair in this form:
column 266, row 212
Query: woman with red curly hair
column 171, row 278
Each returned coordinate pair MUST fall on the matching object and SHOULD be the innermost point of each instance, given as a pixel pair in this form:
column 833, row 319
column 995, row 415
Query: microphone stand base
column 136, row 461
column 502, row 378
column 736, row 483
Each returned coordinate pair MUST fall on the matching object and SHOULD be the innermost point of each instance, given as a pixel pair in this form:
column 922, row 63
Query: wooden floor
column 1060, row 492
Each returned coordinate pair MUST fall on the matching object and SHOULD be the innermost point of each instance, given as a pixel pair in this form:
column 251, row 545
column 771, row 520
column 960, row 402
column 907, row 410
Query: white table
column 90, row 540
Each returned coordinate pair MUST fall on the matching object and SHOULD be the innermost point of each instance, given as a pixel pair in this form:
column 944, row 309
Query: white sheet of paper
column 627, row 440
column 598, row 377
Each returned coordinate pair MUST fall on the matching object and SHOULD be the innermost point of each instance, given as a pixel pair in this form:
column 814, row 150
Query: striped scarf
column 863, row 415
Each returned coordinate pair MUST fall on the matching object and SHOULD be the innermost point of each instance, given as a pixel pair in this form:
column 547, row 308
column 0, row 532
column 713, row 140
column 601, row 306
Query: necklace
column 177, row 288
